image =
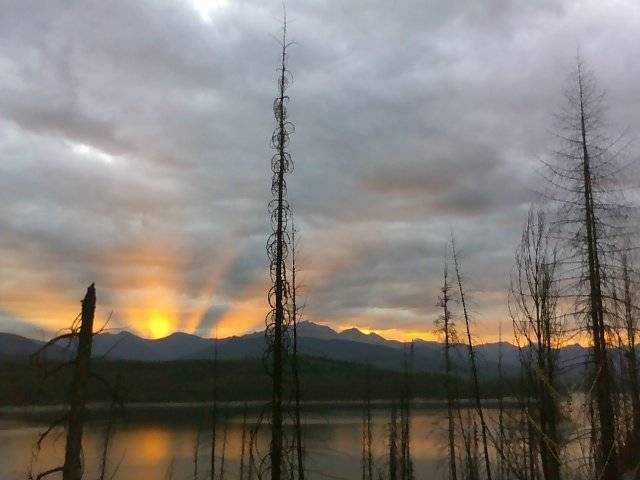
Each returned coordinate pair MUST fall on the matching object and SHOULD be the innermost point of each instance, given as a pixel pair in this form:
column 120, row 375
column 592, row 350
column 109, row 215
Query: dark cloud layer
column 134, row 151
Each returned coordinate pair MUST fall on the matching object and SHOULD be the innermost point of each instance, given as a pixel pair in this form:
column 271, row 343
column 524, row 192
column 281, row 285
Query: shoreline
column 96, row 407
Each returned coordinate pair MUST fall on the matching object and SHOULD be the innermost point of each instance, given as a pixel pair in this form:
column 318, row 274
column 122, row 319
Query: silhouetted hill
column 315, row 340
column 127, row 346
column 17, row 348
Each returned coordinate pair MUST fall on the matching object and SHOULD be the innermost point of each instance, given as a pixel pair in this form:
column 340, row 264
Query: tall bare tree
column 214, row 410
column 447, row 328
column 393, row 443
column 474, row 365
column 591, row 221
column 630, row 328
column 367, row 432
column 243, row 442
column 295, row 318
column 406, row 460
column 501, row 443
column 277, row 249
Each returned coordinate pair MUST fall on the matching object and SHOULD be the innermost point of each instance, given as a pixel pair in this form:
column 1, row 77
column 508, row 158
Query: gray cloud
column 134, row 146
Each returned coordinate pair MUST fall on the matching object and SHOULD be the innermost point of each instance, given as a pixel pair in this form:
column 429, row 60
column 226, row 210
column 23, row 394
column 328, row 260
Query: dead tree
column 539, row 332
column 295, row 318
column 591, row 221
column 214, row 411
column 196, row 454
column 474, row 366
column 470, row 442
column 393, row 443
column 168, row 475
column 277, row 248
column 80, row 334
column 501, row 418
column 224, row 450
column 630, row 327
column 243, row 442
column 447, row 328
column 252, row 449
column 72, row 469
column 367, row 432
column 116, row 404
column 406, row 462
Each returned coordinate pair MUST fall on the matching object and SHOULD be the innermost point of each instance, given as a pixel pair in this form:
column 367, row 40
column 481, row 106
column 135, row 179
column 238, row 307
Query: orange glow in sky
column 396, row 333
column 159, row 324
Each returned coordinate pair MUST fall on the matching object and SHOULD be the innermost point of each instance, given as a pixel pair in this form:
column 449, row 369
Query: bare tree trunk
column 367, row 433
column 72, row 469
column 111, row 419
column 474, row 368
column 106, row 443
column 406, row 462
column 531, row 438
column 606, row 463
column 196, row 455
column 471, row 468
column 214, row 411
column 363, row 457
column 243, row 442
column 294, row 359
column 224, row 450
column 169, row 473
column 252, row 460
column 393, row 444
column 532, row 305
column 631, row 327
column 448, row 331
column 277, row 250
column 501, row 433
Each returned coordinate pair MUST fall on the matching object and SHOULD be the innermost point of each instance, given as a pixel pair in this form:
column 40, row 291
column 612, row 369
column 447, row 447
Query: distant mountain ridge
column 351, row 345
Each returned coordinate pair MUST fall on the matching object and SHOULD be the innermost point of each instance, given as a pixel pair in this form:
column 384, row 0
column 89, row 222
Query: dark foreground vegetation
column 239, row 380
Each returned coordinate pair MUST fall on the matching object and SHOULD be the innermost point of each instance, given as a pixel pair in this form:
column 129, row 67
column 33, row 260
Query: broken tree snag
column 72, row 469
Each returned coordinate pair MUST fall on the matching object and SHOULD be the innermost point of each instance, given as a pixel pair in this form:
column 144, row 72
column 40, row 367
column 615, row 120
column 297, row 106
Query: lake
column 149, row 444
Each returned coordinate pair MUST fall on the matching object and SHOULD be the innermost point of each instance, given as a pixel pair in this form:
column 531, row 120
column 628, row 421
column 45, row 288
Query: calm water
column 147, row 446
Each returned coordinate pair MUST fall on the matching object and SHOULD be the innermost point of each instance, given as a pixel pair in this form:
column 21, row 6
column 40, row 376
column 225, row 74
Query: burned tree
column 474, row 366
column 116, row 404
column 277, row 249
column 539, row 333
column 214, row 410
column 295, row 318
column 501, row 444
column 406, row 462
column 224, row 449
column 243, row 442
column 72, row 469
column 393, row 443
column 80, row 334
column 630, row 333
column 367, row 432
column 591, row 222
column 196, row 454
column 447, row 329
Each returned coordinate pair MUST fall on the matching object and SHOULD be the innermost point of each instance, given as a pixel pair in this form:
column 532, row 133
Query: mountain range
column 351, row 345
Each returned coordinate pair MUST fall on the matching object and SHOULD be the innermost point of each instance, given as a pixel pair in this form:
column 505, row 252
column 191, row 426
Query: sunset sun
column 159, row 324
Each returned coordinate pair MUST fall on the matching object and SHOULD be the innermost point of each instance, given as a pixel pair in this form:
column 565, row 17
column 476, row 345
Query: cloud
column 135, row 153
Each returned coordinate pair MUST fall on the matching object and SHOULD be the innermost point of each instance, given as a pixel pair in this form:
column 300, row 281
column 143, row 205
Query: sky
column 134, row 153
